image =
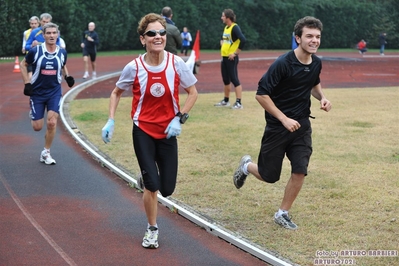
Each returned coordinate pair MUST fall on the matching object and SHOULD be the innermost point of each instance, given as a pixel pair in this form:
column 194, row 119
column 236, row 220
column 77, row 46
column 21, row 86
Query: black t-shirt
column 288, row 82
column 88, row 44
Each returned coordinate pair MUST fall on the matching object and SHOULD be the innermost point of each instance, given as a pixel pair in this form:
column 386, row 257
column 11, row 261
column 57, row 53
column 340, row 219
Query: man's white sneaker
column 285, row 221
column 46, row 158
column 237, row 105
column 86, row 75
column 239, row 176
column 222, row 103
column 94, row 75
column 150, row 239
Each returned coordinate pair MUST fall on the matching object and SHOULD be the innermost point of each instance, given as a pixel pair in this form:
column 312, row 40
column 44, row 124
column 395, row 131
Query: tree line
column 267, row 24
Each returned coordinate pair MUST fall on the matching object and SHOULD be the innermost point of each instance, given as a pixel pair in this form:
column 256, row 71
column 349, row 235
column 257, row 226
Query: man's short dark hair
column 309, row 22
column 229, row 13
column 167, row 12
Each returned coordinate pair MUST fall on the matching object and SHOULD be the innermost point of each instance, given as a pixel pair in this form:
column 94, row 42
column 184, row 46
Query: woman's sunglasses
column 153, row 33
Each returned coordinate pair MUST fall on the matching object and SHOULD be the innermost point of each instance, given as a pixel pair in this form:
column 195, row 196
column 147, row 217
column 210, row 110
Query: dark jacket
column 173, row 38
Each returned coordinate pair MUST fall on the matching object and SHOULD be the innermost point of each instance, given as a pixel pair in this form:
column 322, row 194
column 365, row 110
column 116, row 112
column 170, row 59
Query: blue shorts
column 39, row 104
column 278, row 142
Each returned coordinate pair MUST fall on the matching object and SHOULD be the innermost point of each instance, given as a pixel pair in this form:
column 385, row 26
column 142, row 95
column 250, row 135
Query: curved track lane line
column 35, row 224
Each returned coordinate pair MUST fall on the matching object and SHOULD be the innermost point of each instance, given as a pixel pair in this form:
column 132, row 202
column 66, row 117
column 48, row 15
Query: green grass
column 350, row 199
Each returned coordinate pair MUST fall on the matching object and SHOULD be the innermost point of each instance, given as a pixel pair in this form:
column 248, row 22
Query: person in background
column 382, row 40
column 173, row 40
column 187, row 39
column 284, row 92
column 36, row 36
column 294, row 45
column 89, row 45
column 154, row 78
column 362, row 46
column 232, row 43
column 62, row 42
column 48, row 62
column 34, row 22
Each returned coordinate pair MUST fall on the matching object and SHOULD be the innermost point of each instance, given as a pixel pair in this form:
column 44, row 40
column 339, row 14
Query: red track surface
column 78, row 213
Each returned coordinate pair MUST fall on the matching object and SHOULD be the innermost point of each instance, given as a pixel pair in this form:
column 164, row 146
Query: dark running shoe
column 239, row 176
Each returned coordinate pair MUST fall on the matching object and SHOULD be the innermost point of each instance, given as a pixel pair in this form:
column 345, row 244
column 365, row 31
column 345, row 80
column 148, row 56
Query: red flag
column 196, row 46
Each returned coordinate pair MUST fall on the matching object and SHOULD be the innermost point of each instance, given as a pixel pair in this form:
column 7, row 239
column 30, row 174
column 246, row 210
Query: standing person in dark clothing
column 89, row 45
column 231, row 44
column 284, row 92
column 173, row 38
column 382, row 40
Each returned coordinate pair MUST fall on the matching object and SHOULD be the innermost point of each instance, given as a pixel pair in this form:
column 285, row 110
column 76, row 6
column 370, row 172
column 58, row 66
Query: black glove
column 70, row 80
column 28, row 89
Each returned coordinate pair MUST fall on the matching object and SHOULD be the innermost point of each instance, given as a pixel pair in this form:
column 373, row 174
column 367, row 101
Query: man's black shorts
column 278, row 142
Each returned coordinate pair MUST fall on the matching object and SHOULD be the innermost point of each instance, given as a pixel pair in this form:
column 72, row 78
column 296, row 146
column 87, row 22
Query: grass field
column 350, row 199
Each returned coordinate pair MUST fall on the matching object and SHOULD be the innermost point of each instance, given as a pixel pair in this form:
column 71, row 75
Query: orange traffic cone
column 16, row 66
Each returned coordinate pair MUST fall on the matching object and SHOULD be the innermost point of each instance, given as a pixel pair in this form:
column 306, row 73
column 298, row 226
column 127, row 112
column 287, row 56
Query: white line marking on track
column 32, row 220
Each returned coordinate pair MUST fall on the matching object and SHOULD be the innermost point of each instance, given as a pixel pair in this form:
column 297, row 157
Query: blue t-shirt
column 46, row 68
column 36, row 35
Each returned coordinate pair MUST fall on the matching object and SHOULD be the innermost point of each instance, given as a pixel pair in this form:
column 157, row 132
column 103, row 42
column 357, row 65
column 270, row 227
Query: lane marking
column 32, row 220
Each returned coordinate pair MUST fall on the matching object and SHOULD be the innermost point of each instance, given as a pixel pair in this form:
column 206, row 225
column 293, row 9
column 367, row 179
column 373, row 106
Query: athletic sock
column 226, row 99
column 148, row 226
column 281, row 212
column 238, row 100
column 245, row 169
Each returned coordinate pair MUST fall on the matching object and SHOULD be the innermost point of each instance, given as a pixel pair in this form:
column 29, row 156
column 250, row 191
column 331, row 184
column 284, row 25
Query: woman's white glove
column 174, row 128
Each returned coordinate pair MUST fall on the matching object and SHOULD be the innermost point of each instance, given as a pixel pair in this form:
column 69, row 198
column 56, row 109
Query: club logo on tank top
column 157, row 90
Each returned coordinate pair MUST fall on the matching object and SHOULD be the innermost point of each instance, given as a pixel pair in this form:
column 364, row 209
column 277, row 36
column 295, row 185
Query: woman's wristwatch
column 183, row 117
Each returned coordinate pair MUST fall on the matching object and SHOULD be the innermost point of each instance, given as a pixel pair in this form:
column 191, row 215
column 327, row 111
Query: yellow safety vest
column 228, row 46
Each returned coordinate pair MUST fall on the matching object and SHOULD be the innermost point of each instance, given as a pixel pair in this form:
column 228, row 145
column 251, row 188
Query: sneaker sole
column 285, row 226
column 44, row 161
column 152, row 246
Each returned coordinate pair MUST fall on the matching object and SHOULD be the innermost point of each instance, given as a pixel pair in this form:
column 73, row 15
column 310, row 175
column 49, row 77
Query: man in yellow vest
column 34, row 23
column 231, row 44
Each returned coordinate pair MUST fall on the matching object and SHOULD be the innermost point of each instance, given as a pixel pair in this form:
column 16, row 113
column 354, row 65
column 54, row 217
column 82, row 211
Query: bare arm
column 319, row 95
column 65, row 71
column 116, row 95
column 191, row 99
column 267, row 103
column 24, row 71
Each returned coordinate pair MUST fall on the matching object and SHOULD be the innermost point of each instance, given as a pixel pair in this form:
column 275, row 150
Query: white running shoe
column 94, row 75
column 86, row 75
column 285, row 221
column 46, row 158
column 239, row 176
column 237, row 105
column 222, row 103
column 150, row 239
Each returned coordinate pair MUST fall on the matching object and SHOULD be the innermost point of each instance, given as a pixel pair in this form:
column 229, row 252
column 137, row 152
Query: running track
column 79, row 213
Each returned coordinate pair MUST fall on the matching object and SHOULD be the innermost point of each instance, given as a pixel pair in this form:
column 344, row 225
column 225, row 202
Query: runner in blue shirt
column 44, row 88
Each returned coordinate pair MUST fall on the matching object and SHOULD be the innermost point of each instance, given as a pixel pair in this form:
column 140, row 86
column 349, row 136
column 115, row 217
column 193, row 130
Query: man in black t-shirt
column 284, row 92
column 89, row 45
